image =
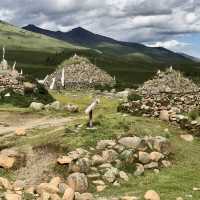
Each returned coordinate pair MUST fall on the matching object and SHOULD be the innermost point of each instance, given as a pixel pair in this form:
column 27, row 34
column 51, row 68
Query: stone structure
column 168, row 95
column 77, row 73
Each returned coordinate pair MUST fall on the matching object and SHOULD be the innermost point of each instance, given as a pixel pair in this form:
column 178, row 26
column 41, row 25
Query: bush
column 194, row 114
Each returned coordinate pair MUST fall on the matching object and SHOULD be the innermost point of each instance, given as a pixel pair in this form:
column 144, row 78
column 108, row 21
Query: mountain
column 190, row 57
column 38, row 52
column 83, row 37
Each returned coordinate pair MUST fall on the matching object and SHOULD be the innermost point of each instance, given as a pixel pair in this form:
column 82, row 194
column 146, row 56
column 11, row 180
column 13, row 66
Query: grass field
column 170, row 183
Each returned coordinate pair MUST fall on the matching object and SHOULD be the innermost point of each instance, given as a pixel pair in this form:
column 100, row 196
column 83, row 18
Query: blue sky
column 174, row 24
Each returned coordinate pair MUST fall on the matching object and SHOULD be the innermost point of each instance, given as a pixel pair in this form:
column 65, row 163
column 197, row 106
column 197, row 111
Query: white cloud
column 171, row 44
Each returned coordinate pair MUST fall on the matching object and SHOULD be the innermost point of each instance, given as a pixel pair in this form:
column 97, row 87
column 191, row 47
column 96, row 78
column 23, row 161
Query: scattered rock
column 123, row 176
column 187, row 137
column 37, row 106
column 151, row 195
column 130, row 142
column 144, row 157
column 6, row 162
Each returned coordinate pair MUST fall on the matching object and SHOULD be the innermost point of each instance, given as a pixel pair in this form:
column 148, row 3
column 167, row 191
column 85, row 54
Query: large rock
column 97, row 160
column 164, row 115
column 37, row 106
column 151, row 195
column 144, row 157
column 111, row 175
column 81, row 165
column 69, row 194
column 162, row 145
column 78, row 182
column 56, row 105
column 102, row 144
column 109, row 155
column 84, row 196
column 5, row 183
column 6, row 162
column 47, row 187
column 156, row 156
column 71, row 108
column 130, row 142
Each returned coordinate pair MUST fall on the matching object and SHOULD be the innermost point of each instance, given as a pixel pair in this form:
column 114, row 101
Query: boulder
column 5, row 183
column 130, row 142
column 156, row 156
column 78, row 182
column 71, row 108
column 111, row 175
column 123, row 175
column 144, row 157
column 12, row 196
column 97, row 160
column 36, row 106
column 164, row 115
column 56, row 105
column 84, row 196
column 102, row 144
column 64, row 160
column 69, row 194
column 47, row 187
column 81, row 165
column 109, row 155
column 6, row 162
column 151, row 195
column 139, row 169
column 187, row 137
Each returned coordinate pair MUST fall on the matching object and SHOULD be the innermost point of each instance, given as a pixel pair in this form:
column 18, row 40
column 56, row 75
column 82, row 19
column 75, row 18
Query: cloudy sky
column 174, row 24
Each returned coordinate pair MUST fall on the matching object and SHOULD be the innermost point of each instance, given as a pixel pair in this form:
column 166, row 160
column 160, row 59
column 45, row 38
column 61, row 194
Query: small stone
column 151, row 165
column 64, row 160
column 151, row 195
column 164, row 115
column 130, row 142
column 123, row 176
column 36, row 106
column 110, row 175
column 129, row 198
column 97, row 160
column 156, row 156
column 12, row 196
column 98, row 182
column 84, row 196
column 116, row 184
column 196, row 189
column 139, row 169
column 78, row 182
column 187, row 137
column 156, row 171
column 20, row 132
column 179, row 198
column 102, row 144
column 166, row 163
column 144, row 157
column 69, row 194
column 101, row 188
column 46, row 187
column 6, row 162
column 5, row 183
column 109, row 155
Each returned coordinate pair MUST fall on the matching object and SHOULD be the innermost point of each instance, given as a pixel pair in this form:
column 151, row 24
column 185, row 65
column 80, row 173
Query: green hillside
column 131, row 64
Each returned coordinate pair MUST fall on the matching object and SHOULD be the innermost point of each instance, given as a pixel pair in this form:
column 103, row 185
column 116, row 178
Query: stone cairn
column 169, row 96
column 97, row 168
column 78, row 73
column 10, row 78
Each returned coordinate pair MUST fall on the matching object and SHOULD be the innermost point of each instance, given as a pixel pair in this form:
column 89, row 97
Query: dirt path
column 10, row 122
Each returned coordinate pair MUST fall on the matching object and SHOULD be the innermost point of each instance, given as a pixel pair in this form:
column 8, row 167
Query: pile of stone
column 102, row 165
column 78, row 73
column 168, row 95
column 98, row 167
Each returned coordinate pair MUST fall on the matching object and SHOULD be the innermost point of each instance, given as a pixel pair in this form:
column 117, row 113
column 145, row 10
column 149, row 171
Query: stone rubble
column 168, row 96
column 98, row 168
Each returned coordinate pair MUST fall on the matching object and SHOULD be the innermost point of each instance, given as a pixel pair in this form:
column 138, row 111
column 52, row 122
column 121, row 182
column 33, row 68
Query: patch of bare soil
column 38, row 167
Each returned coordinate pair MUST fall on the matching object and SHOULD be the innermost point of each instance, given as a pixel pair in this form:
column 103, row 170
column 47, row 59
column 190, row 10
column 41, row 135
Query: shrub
column 133, row 96
column 194, row 114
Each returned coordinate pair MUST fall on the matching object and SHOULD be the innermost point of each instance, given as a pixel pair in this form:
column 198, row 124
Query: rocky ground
column 51, row 154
